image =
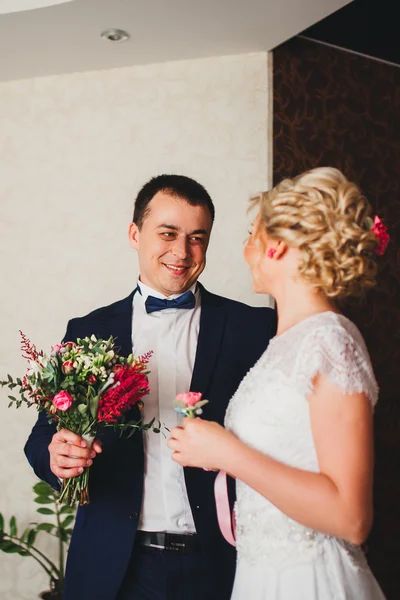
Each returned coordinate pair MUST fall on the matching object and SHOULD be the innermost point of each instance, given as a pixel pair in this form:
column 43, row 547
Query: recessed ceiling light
column 115, row 35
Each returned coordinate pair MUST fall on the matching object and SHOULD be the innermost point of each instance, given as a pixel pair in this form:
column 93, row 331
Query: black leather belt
column 161, row 540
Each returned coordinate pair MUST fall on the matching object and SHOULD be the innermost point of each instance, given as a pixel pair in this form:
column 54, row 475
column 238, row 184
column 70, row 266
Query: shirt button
column 134, row 516
column 181, row 523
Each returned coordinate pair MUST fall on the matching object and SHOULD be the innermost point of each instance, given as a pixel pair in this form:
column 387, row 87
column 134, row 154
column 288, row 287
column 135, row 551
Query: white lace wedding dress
column 279, row 559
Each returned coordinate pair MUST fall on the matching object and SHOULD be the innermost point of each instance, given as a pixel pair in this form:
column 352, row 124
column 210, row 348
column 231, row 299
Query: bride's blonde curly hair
column 325, row 216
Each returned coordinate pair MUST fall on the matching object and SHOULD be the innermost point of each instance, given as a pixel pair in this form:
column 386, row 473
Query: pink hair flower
column 381, row 234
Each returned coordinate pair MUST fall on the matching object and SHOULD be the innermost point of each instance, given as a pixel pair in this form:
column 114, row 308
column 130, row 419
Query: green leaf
column 67, row 521
column 201, row 403
column 9, row 547
column 64, row 536
column 180, row 403
column 1, row 522
column 46, row 511
column 67, row 510
column 45, row 527
column 42, row 489
column 43, row 500
column 13, row 526
column 24, row 536
column 31, row 538
column 12, row 398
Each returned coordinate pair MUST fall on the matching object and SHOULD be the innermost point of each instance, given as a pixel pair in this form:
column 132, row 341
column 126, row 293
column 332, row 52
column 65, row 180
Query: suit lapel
column 212, row 324
column 120, row 324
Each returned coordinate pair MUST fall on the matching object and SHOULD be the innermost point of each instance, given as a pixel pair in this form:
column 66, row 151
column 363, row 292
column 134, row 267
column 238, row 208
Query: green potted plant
column 62, row 517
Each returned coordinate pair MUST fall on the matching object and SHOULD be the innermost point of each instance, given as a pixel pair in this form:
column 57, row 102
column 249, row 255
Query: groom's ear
column 133, row 235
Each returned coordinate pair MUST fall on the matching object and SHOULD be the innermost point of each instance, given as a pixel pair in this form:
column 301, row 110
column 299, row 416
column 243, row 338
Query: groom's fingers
column 69, row 454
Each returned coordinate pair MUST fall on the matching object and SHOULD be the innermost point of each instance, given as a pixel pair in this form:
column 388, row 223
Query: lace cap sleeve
column 342, row 356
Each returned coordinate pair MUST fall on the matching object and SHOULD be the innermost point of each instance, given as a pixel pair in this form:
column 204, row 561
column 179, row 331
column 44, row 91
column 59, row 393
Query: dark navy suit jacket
column 232, row 337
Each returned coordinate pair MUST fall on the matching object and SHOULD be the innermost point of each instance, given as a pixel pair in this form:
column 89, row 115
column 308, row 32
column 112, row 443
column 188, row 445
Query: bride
column 298, row 436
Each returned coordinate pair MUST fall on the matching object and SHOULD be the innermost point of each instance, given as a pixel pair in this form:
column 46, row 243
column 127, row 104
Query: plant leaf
column 46, row 511
column 31, row 538
column 13, row 526
column 43, row 500
column 42, row 489
column 45, row 527
column 67, row 510
column 67, row 521
column 9, row 547
column 1, row 522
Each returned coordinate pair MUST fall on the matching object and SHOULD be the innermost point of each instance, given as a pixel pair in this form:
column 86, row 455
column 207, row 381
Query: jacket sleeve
column 36, row 448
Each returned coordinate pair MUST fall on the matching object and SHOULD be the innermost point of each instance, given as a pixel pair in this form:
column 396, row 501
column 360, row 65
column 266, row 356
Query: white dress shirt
column 172, row 335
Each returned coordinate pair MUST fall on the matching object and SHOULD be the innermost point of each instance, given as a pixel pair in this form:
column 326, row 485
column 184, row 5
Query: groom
column 151, row 531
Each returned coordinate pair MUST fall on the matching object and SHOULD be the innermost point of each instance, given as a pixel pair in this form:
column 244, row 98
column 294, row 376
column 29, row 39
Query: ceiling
column 66, row 37
column 368, row 27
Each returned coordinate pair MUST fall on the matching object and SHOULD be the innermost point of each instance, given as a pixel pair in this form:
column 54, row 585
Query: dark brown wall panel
column 339, row 109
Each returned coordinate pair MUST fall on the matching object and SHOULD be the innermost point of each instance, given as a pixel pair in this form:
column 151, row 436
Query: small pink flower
column 69, row 345
column 381, row 234
column 68, row 366
column 62, row 400
column 190, row 398
column 56, row 348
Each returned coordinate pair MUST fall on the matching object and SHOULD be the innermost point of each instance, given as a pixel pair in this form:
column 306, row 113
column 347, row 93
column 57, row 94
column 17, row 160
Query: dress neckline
column 307, row 320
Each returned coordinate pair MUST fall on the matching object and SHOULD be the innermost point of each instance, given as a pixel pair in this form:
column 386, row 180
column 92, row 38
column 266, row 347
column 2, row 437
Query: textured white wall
column 74, row 150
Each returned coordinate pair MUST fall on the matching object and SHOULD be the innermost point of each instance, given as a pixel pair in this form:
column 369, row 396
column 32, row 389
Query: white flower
column 33, row 369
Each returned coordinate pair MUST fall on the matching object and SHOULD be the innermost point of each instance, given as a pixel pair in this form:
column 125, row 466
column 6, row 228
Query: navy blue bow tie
column 187, row 300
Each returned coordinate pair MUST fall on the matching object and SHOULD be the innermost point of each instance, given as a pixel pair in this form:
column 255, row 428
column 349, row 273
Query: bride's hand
column 199, row 443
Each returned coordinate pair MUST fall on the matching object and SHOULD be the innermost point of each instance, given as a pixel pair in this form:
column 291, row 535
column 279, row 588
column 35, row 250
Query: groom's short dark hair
column 176, row 185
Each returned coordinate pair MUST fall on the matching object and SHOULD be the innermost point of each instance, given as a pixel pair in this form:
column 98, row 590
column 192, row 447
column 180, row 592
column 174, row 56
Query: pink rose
column 190, row 398
column 62, row 400
column 68, row 366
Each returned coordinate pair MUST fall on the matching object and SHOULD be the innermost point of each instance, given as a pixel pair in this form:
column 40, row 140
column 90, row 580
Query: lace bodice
column 270, row 413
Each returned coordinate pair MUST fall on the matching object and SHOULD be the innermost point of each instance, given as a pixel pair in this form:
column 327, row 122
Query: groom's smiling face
column 171, row 243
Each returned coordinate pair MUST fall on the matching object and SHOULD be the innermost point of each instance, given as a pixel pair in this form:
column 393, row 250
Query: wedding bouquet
column 83, row 387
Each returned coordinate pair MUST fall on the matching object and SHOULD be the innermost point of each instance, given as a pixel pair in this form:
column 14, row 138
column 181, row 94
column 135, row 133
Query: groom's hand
column 70, row 455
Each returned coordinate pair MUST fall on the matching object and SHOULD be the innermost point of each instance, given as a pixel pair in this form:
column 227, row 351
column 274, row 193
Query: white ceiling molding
column 65, row 37
column 11, row 6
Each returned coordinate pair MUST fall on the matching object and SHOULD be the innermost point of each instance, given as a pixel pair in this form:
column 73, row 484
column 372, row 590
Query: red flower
column 381, row 234
column 92, row 379
column 130, row 386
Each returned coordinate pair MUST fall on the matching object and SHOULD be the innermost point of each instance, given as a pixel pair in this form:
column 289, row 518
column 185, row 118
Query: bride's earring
column 271, row 253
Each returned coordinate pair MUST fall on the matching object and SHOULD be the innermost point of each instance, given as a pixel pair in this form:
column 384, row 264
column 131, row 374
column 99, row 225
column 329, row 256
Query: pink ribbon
column 226, row 519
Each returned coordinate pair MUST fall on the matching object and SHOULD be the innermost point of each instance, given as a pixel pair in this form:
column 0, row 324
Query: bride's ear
column 276, row 250
column 280, row 250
